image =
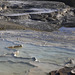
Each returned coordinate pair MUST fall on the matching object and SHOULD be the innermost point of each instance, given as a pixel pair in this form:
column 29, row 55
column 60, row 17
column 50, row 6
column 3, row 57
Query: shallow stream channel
column 40, row 52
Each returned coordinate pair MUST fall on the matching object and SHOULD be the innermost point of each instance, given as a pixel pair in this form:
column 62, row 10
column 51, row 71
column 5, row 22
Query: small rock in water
column 73, row 71
column 70, row 63
column 16, row 53
column 34, row 59
column 17, row 46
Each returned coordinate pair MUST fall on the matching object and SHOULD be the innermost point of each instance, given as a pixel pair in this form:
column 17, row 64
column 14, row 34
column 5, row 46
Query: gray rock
column 68, row 2
column 63, row 71
column 73, row 71
column 70, row 63
column 37, row 15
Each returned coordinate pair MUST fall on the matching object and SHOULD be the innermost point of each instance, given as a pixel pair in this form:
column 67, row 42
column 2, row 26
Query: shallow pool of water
column 46, row 47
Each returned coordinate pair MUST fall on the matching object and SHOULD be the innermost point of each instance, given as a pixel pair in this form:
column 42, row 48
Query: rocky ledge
column 68, row 2
column 38, row 15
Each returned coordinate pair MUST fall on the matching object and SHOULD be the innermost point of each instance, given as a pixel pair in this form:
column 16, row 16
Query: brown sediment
column 4, row 25
column 17, row 46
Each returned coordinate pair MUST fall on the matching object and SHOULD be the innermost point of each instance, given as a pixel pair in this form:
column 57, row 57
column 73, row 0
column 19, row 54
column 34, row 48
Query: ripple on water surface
column 42, row 53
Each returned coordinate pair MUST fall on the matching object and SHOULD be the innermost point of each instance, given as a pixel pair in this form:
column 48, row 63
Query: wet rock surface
column 68, row 2
column 44, row 15
column 63, row 71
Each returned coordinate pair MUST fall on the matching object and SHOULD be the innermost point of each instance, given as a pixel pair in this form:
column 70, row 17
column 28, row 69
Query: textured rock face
column 39, row 15
column 63, row 71
column 68, row 2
